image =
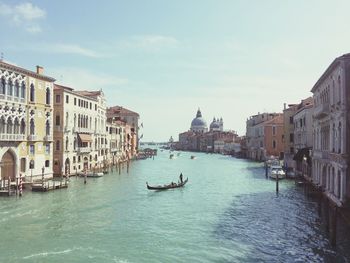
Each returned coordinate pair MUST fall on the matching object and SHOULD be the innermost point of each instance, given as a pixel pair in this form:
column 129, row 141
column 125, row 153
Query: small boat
column 168, row 186
column 90, row 174
column 171, row 156
column 276, row 170
column 193, row 157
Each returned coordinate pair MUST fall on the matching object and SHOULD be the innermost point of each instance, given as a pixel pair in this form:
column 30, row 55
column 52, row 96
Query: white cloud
column 70, row 49
column 82, row 79
column 24, row 15
column 148, row 42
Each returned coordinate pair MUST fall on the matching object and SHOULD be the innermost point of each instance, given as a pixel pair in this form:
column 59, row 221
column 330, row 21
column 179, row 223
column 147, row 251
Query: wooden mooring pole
column 333, row 225
column 266, row 170
column 277, row 187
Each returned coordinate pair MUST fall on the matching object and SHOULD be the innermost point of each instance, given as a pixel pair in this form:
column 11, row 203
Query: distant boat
column 166, row 187
column 171, row 156
column 91, row 175
column 193, row 157
column 178, row 154
column 276, row 170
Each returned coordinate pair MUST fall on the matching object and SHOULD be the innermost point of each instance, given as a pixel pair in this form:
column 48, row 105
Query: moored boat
column 168, row 186
column 276, row 170
column 193, row 157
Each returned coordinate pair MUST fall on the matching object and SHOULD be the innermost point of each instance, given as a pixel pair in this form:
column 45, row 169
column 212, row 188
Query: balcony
column 12, row 137
column 321, row 111
column 48, row 138
column 83, row 149
column 11, row 98
column 82, row 130
column 31, row 137
column 114, row 150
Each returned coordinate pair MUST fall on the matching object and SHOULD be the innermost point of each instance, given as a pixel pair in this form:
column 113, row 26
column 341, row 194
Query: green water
column 228, row 212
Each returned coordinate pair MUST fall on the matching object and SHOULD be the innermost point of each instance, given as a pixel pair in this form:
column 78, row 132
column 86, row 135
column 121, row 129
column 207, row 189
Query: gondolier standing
column 181, row 178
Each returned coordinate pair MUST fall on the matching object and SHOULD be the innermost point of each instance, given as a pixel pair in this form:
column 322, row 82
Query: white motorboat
column 276, row 170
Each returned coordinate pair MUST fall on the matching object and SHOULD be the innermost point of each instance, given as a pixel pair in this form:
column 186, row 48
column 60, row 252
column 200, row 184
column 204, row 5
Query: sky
column 165, row 59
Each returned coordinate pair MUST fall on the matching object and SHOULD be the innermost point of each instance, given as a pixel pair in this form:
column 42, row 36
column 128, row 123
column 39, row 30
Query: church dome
column 198, row 123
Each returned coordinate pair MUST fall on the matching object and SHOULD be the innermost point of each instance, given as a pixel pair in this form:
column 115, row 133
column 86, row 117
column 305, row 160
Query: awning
column 299, row 156
column 85, row 137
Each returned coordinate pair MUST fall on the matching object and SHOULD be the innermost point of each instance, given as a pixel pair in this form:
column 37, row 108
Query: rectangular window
column 96, row 107
column 273, row 130
column 58, row 98
column 32, row 149
column 291, row 137
column 73, row 159
column 47, row 163
column 58, row 121
column 274, row 144
column 31, row 164
column 75, row 101
column 23, row 165
column 291, row 120
column 67, row 99
column 47, row 148
column 58, row 145
column 90, row 105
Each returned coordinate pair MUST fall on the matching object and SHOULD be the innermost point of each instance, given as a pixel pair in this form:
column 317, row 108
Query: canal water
column 228, row 212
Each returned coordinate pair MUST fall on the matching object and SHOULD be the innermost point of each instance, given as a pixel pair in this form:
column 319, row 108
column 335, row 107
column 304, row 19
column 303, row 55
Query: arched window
column 9, row 126
column 16, row 126
column 67, row 119
column 48, row 96
column 32, row 127
column 334, row 138
column 339, row 138
column 67, row 143
column 95, row 143
column 17, row 89
column 23, row 127
column 2, row 86
column 58, row 146
column 47, row 128
column 10, row 88
column 23, row 88
column 32, row 92
column 339, row 89
column 2, row 125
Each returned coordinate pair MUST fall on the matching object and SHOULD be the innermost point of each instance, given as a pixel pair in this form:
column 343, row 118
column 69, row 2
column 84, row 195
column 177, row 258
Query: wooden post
column 20, row 184
column 120, row 167
column 127, row 166
column 277, row 182
column 9, row 186
column 42, row 177
column 333, row 226
column 85, row 175
column 17, row 185
column 266, row 170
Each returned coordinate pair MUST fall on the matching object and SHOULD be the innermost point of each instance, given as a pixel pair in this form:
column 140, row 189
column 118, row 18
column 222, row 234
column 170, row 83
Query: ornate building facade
column 330, row 160
column 80, row 141
column 25, row 122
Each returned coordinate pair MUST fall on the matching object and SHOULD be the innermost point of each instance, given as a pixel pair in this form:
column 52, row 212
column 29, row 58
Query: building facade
column 79, row 130
column 330, row 160
column 25, row 122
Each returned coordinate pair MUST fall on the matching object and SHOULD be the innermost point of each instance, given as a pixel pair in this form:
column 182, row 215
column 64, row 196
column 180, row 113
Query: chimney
column 39, row 70
column 285, row 106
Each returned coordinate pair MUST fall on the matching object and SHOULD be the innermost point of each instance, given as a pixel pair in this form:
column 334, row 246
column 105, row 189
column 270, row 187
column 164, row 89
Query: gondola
column 166, row 187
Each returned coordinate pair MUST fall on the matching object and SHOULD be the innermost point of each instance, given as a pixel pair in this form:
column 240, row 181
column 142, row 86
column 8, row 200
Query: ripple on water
column 274, row 229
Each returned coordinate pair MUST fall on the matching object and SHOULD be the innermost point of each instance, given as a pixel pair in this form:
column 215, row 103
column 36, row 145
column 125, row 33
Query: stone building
column 198, row 124
column 331, row 130
column 262, row 140
column 131, row 119
column 26, row 122
column 79, row 130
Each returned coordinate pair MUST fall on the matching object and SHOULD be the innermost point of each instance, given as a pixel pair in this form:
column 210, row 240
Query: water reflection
column 267, row 228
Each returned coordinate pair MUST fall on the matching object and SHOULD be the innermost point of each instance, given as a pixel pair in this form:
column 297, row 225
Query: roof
column 72, row 91
column 119, row 110
column 329, row 69
column 88, row 93
column 26, row 71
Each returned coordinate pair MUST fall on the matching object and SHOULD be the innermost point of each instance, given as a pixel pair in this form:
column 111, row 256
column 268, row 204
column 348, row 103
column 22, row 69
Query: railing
column 82, row 130
column 114, row 149
column 12, row 137
column 48, row 138
column 321, row 111
column 83, row 149
column 31, row 137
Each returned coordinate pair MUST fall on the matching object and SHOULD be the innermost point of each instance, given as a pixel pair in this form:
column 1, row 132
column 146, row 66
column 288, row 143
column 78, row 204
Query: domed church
column 217, row 125
column 198, row 124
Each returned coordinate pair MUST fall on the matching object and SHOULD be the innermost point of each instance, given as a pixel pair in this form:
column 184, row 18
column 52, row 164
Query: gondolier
column 181, row 181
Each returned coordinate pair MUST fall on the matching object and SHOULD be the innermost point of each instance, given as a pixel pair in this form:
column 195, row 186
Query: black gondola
column 166, row 187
